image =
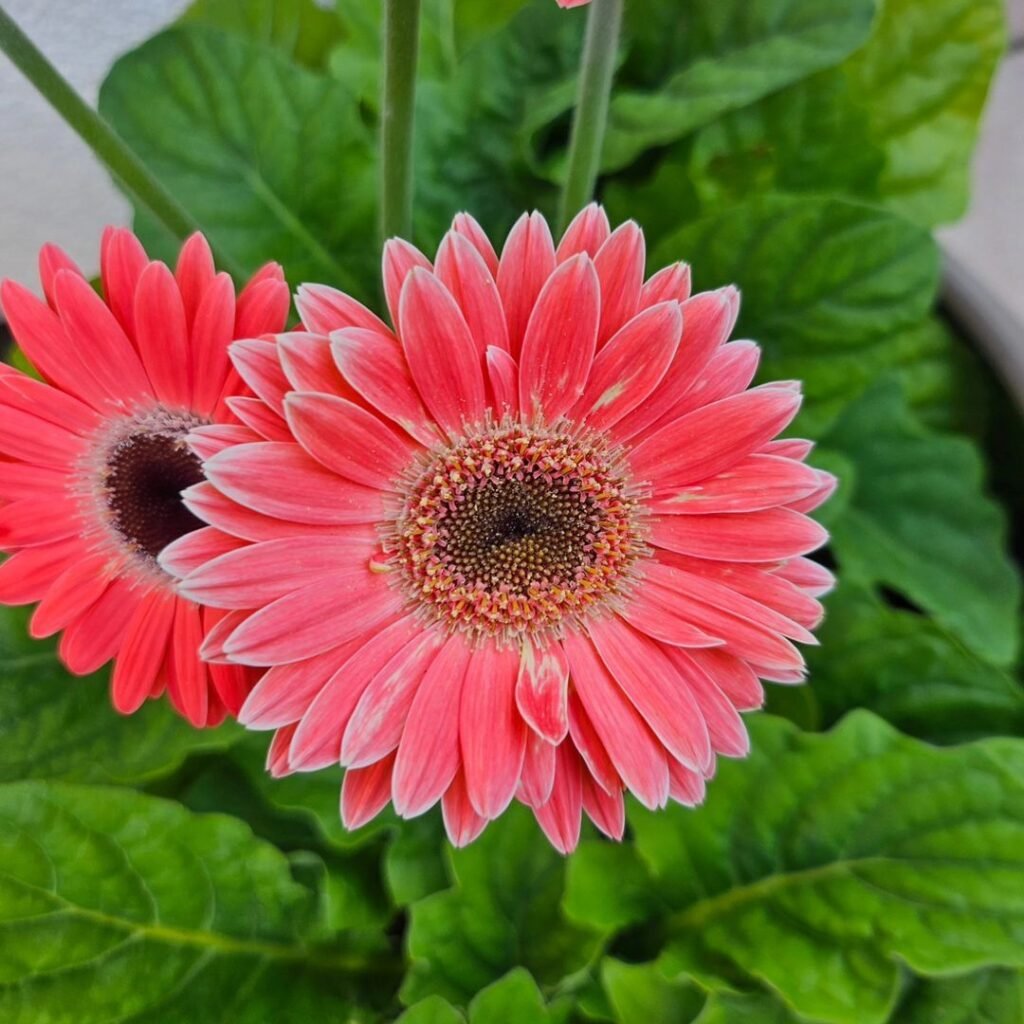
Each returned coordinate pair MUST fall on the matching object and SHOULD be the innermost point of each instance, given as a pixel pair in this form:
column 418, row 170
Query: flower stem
column 401, row 46
column 588, row 127
column 111, row 149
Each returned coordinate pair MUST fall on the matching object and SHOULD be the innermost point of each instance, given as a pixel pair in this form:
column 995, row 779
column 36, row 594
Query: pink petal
column 462, row 270
column 503, row 377
column 71, row 594
column 428, row 755
column 538, row 771
column 466, row 225
column 587, row 232
column 809, row 575
column 740, row 537
column 377, row 369
column 218, row 632
column 827, row 484
column 285, row 692
column 542, row 689
column 376, row 725
column 195, row 273
column 492, row 735
column 620, row 268
column 38, row 521
column 281, row 480
column 187, row 673
column 318, row 739
column 308, row 362
column 527, row 261
column 713, row 438
column 561, row 816
column 591, row 749
column 256, row 574
column 27, row 575
column 258, row 365
column 788, row 447
column 259, row 418
column 670, row 284
column 560, row 341
column 122, row 260
column 52, row 260
column 142, row 653
column 442, row 354
column 638, row 758
column 348, row 440
column 400, row 259
column 630, row 366
column 728, row 372
column 277, row 754
column 313, row 619
column 212, row 325
column 262, row 306
column 707, row 322
column 324, row 310
column 208, row 441
column 686, row 787
column 606, row 810
column 24, row 435
column 642, row 668
column 20, row 480
column 365, row 792
column 48, row 403
column 645, row 609
column 96, row 636
column 41, row 336
column 724, row 725
column 733, row 676
column 757, row 482
column 461, row 822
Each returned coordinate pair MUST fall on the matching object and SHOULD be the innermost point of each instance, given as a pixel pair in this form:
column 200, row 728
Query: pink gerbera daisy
column 536, row 542
column 97, row 459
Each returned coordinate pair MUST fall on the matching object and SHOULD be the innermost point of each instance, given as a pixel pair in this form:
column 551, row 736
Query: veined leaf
column 917, row 520
column 118, row 907
column 823, row 858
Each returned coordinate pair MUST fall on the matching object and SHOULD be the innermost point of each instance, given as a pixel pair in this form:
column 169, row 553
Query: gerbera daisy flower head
column 96, row 459
column 538, row 541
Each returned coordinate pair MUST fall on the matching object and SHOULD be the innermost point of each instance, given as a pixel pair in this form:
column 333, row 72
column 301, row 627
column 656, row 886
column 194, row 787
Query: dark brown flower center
column 145, row 475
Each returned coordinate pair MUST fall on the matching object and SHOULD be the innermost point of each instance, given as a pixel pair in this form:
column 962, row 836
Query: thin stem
column 597, row 68
column 111, row 149
column 401, row 47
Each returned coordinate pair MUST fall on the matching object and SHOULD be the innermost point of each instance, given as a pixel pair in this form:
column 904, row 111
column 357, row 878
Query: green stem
column 111, row 149
column 401, row 47
column 597, row 68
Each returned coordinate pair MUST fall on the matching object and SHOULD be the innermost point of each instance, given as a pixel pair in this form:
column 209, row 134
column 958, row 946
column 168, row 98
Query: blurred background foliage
column 866, row 864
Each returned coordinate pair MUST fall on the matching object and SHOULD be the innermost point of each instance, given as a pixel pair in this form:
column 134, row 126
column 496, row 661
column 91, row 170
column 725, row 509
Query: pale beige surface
column 52, row 189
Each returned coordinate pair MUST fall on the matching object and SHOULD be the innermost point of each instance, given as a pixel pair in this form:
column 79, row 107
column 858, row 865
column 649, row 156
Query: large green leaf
column 502, row 911
column 916, row 519
column 271, row 159
column 923, row 78
column 995, row 996
column 118, row 907
column 696, row 62
column 53, row 726
column 909, row 670
column 823, row 858
column 834, row 291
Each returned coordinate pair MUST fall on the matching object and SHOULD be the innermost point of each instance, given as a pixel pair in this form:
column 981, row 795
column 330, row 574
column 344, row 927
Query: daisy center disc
column 144, row 473
column 516, row 530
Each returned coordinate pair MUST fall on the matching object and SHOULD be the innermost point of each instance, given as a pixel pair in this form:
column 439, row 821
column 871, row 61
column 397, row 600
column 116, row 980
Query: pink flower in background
column 97, row 459
column 572, row 3
column 538, row 542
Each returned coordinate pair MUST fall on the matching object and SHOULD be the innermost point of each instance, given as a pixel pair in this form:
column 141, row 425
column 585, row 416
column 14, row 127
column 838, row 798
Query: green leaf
column 300, row 29
column 53, row 726
column 514, row 998
column 923, row 79
column 713, row 58
column 414, row 863
column 503, row 911
column 120, row 907
column 830, row 288
column 909, row 670
column 986, row 997
column 591, row 900
column 270, row 158
column 432, row 1010
column 641, row 994
column 822, row 858
column 917, row 521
